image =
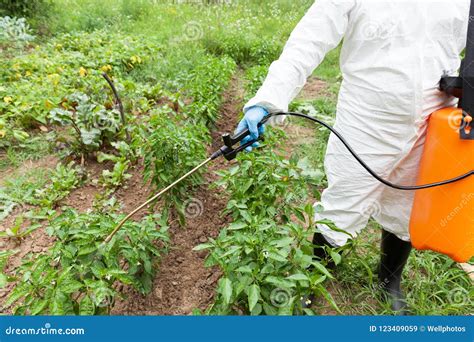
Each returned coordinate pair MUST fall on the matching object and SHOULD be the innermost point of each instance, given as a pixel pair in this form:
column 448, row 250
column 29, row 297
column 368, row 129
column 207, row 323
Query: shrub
column 15, row 30
column 265, row 253
column 24, row 8
column 171, row 149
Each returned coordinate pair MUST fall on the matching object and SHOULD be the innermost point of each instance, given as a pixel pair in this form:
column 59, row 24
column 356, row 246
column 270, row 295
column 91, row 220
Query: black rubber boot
column 395, row 253
column 320, row 242
column 319, row 250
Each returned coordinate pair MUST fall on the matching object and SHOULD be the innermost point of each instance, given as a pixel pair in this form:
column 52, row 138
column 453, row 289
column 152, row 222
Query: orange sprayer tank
column 443, row 217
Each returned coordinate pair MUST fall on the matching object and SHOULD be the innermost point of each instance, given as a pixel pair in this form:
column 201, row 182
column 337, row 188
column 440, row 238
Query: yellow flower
column 82, row 72
column 7, row 99
column 28, row 73
column 2, row 133
column 48, row 104
column 106, row 68
column 135, row 59
column 54, row 78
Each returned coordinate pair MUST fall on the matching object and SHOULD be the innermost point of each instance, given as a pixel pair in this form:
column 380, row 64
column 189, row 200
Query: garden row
column 60, row 84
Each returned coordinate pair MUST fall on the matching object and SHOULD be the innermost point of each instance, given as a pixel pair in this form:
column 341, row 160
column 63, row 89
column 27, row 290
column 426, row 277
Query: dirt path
column 183, row 283
column 313, row 89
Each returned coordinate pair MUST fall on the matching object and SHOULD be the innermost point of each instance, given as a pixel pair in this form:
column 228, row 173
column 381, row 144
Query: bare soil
column 46, row 162
column 183, row 283
column 313, row 89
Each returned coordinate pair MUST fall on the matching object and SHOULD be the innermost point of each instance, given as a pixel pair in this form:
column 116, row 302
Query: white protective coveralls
column 393, row 56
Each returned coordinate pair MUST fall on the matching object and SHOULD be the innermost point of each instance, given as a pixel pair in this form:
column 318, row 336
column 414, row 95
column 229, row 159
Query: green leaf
column 257, row 310
column 70, row 286
column 336, row 257
column 203, row 246
column 309, row 210
column 38, row 306
column 298, row 276
column 225, row 286
column 269, row 310
column 3, row 280
column 318, row 279
column 87, row 250
column 322, row 269
column 299, row 214
column 60, row 304
column 86, row 306
column 247, row 185
column 16, row 294
column 279, row 282
column 237, row 226
column 254, row 296
column 328, row 297
column 276, row 257
column 284, row 242
column 245, row 215
column 244, row 269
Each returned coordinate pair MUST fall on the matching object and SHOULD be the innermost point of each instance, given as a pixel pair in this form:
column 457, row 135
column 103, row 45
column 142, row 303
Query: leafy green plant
column 94, row 125
column 15, row 30
column 67, row 64
column 78, row 274
column 4, row 256
column 266, row 267
column 63, row 179
column 255, row 76
column 171, row 150
column 266, row 184
column 20, row 190
column 265, row 254
column 122, row 160
column 16, row 231
column 24, row 7
column 244, row 47
column 9, row 134
column 206, row 85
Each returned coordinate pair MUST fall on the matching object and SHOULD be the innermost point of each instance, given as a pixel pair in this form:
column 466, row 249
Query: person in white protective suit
column 393, row 56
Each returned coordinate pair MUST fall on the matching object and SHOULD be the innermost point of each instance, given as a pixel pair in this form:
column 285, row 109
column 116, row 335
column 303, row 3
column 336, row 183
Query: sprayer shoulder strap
column 467, row 71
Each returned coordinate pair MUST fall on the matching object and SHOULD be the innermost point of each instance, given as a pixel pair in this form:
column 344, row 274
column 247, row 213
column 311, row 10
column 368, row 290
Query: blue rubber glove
column 252, row 118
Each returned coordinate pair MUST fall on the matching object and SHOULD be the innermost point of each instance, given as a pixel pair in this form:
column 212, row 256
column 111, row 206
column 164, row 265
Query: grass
column 21, row 187
column 433, row 283
column 32, row 149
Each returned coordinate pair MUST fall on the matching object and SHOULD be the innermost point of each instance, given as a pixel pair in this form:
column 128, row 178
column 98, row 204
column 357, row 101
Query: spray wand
column 229, row 152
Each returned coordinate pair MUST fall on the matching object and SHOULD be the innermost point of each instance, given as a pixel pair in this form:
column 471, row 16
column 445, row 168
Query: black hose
column 365, row 166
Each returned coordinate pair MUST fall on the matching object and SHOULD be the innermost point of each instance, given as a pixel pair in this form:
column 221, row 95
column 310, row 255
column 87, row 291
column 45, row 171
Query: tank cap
column 467, row 127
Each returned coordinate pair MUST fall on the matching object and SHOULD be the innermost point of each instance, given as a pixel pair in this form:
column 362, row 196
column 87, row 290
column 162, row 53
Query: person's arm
column 320, row 30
